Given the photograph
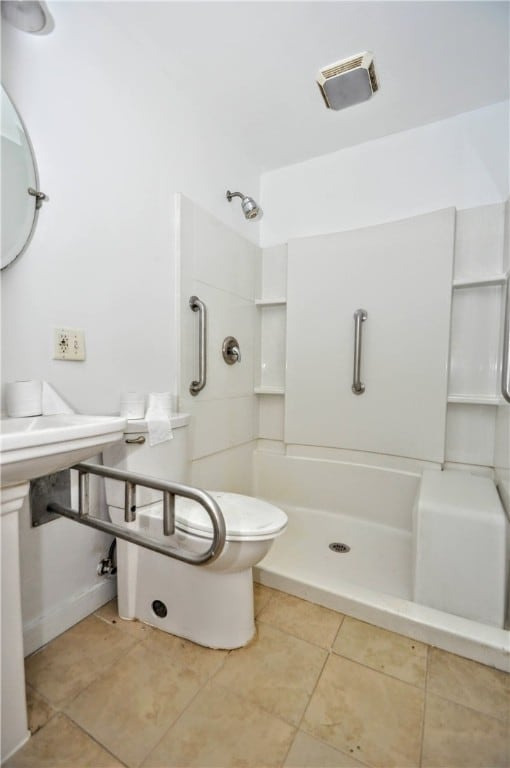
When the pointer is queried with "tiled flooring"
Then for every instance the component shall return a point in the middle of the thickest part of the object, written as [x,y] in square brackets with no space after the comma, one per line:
[315,689]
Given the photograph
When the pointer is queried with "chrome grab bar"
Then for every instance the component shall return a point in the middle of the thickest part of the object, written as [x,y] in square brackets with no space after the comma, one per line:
[505,366]
[170,490]
[199,306]
[357,385]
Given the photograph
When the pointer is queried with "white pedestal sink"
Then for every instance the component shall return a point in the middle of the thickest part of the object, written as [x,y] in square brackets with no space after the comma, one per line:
[30,448]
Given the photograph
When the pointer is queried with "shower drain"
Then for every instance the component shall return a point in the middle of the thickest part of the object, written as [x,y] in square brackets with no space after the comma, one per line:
[336,546]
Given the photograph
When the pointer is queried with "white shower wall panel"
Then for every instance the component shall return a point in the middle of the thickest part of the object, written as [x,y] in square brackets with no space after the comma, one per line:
[274,271]
[475,348]
[220,424]
[400,273]
[223,270]
[221,257]
[502,441]
[502,455]
[271,417]
[475,334]
[479,235]
[272,347]
[230,470]
[273,321]
[228,314]
[470,434]
[377,494]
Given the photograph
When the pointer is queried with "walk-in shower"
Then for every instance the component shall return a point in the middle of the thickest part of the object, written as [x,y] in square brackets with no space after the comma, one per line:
[393,512]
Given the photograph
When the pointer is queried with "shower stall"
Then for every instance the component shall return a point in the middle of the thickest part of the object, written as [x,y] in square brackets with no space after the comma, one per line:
[368,405]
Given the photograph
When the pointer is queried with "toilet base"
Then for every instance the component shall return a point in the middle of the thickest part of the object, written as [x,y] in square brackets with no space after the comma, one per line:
[213,609]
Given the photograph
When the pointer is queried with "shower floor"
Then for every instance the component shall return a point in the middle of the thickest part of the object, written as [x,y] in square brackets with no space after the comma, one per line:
[379,558]
[372,582]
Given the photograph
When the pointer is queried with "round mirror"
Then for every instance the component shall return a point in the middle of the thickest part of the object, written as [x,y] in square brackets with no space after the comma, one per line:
[21,198]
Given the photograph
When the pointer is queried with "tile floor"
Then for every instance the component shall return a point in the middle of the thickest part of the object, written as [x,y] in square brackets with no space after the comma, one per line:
[315,689]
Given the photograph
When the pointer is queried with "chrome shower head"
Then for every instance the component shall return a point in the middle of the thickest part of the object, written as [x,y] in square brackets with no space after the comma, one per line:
[250,208]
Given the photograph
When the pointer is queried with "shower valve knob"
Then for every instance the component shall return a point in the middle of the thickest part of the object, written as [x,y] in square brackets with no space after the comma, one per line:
[231,350]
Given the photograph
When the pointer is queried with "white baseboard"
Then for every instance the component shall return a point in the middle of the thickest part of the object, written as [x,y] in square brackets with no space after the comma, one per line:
[46,628]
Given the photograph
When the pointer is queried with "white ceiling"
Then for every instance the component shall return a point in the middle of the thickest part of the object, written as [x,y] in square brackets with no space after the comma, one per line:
[252,65]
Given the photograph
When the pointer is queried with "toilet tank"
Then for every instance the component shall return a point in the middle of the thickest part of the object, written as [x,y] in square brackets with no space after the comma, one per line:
[166,461]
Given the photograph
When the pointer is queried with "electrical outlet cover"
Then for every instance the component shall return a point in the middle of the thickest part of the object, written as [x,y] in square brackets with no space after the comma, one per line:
[69,344]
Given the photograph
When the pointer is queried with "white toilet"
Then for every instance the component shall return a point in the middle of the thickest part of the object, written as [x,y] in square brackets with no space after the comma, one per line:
[210,604]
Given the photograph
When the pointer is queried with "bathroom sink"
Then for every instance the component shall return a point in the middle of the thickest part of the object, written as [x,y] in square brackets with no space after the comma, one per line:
[39,445]
[29,448]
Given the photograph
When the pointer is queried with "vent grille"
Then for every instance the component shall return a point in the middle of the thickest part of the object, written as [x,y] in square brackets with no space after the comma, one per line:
[373,78]
[342,66]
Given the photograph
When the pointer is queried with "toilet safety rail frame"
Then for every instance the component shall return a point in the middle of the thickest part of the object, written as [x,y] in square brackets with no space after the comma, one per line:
[169,489]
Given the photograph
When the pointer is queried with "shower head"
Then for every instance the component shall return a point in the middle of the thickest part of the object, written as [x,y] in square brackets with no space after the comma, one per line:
[250,208]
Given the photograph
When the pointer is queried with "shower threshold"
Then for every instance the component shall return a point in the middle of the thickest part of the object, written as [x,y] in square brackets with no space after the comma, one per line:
[372,582]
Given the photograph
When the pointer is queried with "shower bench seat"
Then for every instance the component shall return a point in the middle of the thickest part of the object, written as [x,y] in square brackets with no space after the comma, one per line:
[461,546]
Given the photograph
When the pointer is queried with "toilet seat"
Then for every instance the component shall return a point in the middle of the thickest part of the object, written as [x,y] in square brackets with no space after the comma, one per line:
[246,518]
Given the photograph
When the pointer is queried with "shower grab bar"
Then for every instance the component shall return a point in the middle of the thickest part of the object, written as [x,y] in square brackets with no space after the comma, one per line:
[169,489]
[505,366]
[198,306]
[357,385]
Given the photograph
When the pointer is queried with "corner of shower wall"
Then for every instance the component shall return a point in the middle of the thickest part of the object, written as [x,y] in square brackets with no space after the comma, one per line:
[270,373]
[223,270]
[475,405]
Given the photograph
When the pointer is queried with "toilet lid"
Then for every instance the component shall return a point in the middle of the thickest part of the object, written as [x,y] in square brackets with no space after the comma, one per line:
[245,517]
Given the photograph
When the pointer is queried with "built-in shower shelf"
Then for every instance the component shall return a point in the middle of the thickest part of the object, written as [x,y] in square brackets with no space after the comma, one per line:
[270,302]
[269,390]
[475,282]
[476,399]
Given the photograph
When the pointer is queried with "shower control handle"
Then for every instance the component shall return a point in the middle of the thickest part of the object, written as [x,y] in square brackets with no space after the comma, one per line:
[231,350]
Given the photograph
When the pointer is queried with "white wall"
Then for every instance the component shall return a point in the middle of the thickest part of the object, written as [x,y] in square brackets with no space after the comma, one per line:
[114,139]
[460,162]
[59,581]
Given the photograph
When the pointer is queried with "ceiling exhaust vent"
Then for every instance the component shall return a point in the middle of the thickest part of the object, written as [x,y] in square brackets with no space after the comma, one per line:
[349,81]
